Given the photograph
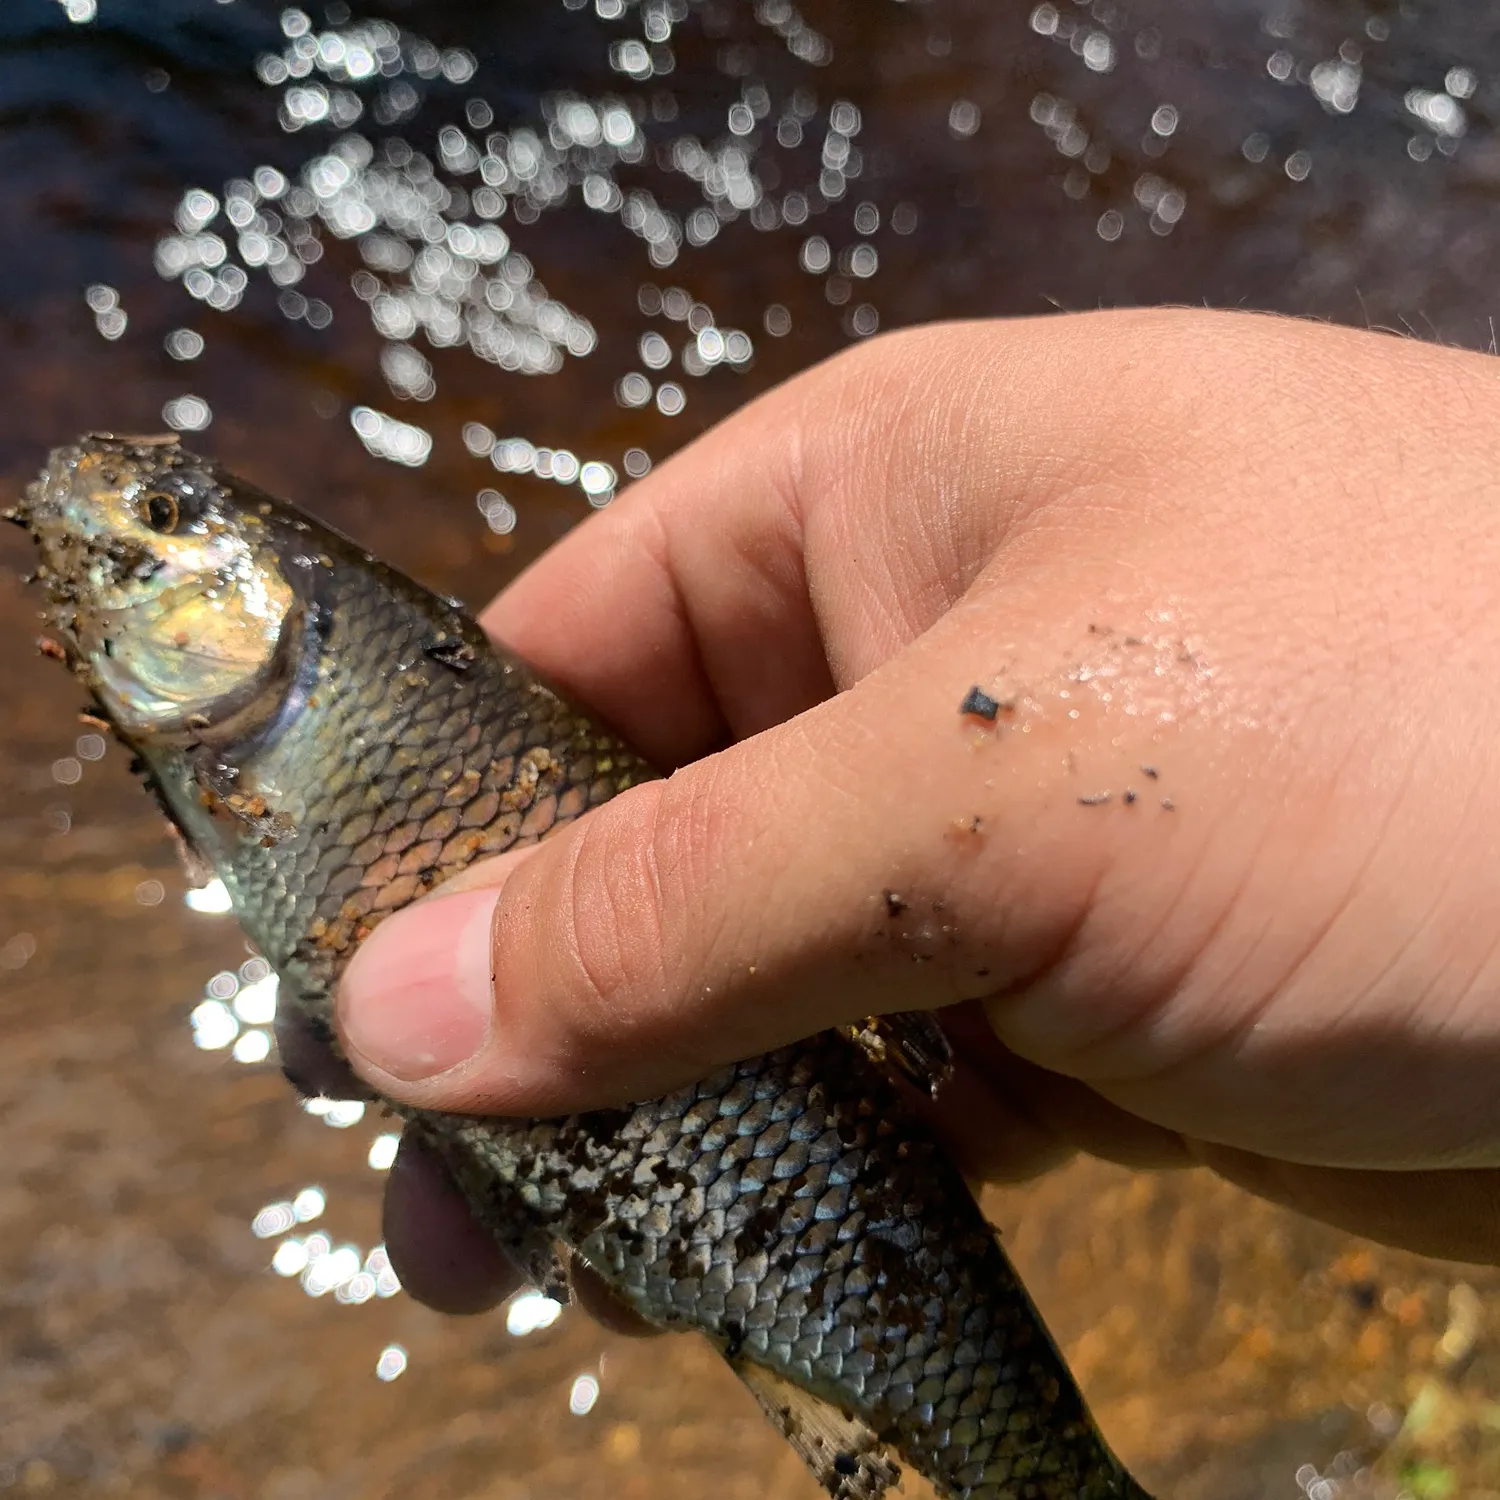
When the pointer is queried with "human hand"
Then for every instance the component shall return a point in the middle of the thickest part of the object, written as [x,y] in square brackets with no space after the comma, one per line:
[1217,884]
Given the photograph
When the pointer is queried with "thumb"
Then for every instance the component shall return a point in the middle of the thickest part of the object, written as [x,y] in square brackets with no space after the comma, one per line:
[882,851]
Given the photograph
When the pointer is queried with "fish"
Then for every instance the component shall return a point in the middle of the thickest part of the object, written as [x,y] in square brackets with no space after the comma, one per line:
[333,740]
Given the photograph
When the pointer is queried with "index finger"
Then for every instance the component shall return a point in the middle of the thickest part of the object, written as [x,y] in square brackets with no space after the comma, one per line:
[810,536]
[618,614]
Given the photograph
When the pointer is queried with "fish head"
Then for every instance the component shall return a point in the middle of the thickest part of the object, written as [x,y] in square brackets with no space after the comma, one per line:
[165,585]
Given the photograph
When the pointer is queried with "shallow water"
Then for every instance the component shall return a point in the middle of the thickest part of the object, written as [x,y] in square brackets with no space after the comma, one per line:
[539,252]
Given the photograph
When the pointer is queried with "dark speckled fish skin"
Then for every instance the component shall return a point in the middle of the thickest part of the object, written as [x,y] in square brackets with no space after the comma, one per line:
[789,1207]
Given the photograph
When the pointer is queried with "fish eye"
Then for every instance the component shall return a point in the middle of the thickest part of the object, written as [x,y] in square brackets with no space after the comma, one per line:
[159,511]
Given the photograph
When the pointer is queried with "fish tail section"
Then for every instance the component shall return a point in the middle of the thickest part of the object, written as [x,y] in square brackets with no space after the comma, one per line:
[845,1455]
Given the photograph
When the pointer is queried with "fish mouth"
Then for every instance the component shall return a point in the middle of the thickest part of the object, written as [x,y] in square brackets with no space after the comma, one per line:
[39,505]
[43,511]
[38,513]
[25,510]
[63,462]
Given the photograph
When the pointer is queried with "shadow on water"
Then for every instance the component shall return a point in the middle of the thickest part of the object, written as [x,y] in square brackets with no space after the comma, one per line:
[453,281]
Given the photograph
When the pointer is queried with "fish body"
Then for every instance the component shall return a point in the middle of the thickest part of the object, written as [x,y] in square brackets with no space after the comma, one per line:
[334,741]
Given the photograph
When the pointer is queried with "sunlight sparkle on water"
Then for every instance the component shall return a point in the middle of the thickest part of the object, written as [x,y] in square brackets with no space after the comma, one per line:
[392,1362]
[529,1312]
[425,214]
[184,344]
[339,1113]
[320,1268]
[358,1289]
[109,317]
[309,1204]
[330,1270]
[391,439]
[378,1265]
[273,1219]
[213,898]
[255,1004]
[252,1047]
[497,511]
[290,1258]
[383,1151]
[214,1025]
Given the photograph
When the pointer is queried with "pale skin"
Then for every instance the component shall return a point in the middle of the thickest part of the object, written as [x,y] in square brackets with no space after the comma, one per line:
[1219,884]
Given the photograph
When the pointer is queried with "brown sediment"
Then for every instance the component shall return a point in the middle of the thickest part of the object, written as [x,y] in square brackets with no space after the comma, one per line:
[146,1350]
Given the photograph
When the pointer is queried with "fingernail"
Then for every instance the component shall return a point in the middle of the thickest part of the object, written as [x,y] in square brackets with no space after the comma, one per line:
[417,999]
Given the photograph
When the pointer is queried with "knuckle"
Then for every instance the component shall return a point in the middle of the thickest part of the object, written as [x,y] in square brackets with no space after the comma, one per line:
[610,917]
[634,922]
[689,838]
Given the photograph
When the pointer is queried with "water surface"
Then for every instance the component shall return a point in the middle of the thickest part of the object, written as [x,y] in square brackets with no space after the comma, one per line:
[451,278]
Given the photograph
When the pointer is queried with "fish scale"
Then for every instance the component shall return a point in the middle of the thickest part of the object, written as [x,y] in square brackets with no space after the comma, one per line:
[791,1207]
